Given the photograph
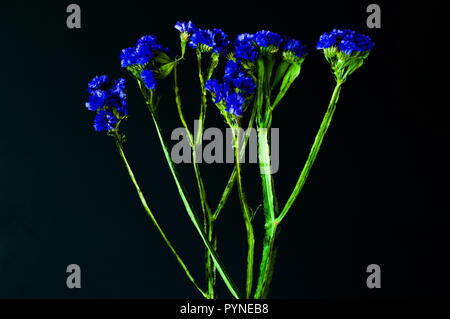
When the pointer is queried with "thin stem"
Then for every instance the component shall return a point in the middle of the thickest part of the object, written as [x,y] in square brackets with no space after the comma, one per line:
[314,150]
[245,209]
[232,178]
[150,214]
[183,194]
[178,102]
[207,214]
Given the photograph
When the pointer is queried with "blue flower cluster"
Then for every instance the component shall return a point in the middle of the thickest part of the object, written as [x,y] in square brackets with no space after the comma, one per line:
[346,40]
[248,46]
[185,27]
[234,90]
[206,40]
[142,57]
[145,50]
[107,98]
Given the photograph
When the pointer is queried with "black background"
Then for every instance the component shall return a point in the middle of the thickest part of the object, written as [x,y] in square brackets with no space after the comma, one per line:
[377,193]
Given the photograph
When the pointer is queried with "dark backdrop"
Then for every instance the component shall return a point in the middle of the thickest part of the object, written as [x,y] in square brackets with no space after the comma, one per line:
[377,193]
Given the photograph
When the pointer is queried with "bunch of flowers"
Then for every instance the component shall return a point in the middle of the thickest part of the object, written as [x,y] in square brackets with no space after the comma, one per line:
[259,69]
[109,100]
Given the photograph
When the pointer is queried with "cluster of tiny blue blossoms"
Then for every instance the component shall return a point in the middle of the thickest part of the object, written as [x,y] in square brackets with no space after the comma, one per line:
[249,46]
[109,100]
[236,87]
[144,59]
[347,41]
[206,40]
[186,29]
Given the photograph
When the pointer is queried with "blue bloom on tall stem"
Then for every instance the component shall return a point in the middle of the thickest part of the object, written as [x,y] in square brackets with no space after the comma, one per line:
[109,100]
[209,40]
[203,39]
[296,47]
[105,121]
[346,40]
[268,40]
[185,27]
[145,51]
[345,50]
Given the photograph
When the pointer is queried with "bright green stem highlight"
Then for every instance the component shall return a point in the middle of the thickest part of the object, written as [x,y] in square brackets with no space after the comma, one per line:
[232,178]
[314,150]
[268,261]
[218,263]
[246,212]
[152,217]
[207,214]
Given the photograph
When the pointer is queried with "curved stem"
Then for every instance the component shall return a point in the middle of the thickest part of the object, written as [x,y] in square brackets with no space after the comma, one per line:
[152,217]
[232,178]
[183,194]
[246,212]
[314,150]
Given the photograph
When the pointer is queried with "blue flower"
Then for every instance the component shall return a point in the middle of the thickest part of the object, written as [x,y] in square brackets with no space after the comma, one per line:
[244,48]
[295,46]
[219,91]
[245,85]
[233,70]
[203,39]
[212,85]
[105,121]
[144,52]
[185,27]
[265,38]
[209,40]
[221,39]
[98,83]
[128,57]
[97,100]
[346,40]
[234,103]
[148,77]
[109,100]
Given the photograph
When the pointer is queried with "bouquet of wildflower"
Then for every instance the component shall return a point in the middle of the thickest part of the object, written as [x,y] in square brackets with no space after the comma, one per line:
[259,70]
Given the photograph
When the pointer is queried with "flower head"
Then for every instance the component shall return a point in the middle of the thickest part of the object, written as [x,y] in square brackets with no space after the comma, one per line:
[268,41]
[294,50]
[144,52]
[105,121]
[148,77]
[221,39]
[244,48]
[203,39]
[346,40]
[234,103]
[185,27]
[236,87]
[345,50]
[233,70]
[245,85]
[109,100]
[206,40]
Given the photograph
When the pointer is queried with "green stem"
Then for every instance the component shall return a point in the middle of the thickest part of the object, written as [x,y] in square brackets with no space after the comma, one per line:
[246,211]
[232,178]
[150,214]
[270,246]
[314,150]
[207,214]
[183,194]
[178,102]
